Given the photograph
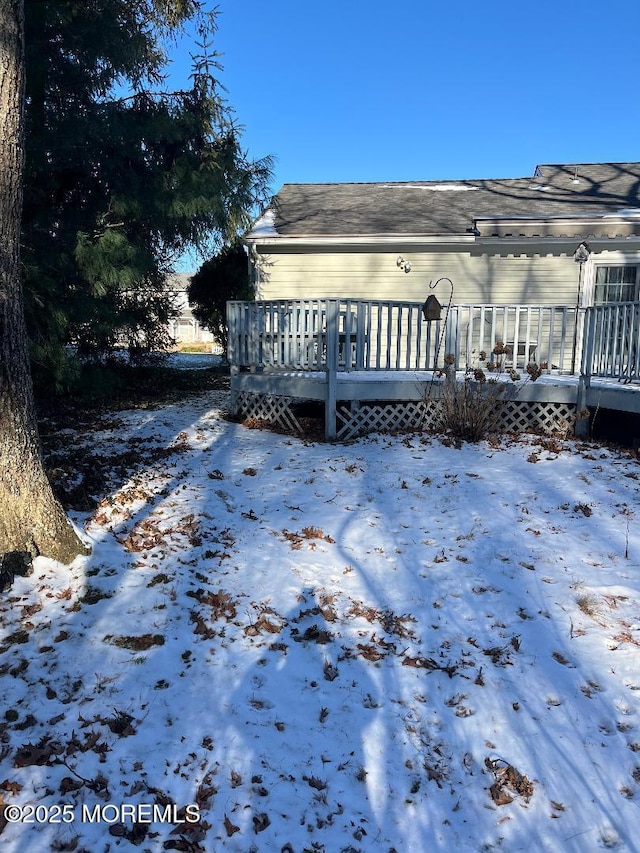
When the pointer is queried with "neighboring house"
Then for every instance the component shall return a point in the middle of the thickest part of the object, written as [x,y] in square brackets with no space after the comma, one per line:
[185,329]
[507,241]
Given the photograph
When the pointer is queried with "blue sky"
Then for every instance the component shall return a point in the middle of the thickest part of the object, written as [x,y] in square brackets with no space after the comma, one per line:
[414,90]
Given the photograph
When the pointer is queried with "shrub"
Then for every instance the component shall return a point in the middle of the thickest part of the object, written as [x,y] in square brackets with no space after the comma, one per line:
[470,408]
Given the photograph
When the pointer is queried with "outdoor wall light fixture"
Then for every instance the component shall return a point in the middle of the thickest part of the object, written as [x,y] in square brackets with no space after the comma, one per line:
[581,254]
[405,266]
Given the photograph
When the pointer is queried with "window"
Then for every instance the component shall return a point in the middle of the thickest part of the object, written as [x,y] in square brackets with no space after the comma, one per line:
[616,284]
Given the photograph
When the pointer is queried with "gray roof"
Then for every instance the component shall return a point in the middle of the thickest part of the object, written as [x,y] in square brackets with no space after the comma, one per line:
[178,281]
[447,208]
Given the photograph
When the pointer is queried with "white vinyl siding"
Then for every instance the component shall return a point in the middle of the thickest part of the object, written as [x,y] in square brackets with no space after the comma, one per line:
[541,280]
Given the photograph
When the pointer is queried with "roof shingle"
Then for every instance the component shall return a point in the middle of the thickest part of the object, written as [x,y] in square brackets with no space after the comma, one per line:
[447,208]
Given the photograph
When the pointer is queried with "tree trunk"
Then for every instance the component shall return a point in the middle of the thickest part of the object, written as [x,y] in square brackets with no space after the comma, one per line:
[31,519]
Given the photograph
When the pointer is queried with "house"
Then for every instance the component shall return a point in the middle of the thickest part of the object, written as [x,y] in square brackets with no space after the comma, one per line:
[506,241]
[543,269]
[184,328]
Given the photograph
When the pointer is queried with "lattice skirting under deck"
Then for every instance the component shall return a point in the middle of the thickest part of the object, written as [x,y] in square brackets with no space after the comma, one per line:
[272,409]
[516,416]
[386,417]
[550,418]
[356,420]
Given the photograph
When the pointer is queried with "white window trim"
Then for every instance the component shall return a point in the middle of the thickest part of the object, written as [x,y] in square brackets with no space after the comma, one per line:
[603,259]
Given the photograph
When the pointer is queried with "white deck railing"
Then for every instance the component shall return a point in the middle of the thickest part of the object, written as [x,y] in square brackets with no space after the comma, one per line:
[612,341]
[335,334]
[532,333]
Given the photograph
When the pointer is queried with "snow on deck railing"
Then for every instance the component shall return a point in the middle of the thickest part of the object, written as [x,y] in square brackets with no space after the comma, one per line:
[345,334]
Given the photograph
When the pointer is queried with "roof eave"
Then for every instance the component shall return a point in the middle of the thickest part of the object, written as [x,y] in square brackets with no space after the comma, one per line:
[357,240]
[605,227]
[597,243]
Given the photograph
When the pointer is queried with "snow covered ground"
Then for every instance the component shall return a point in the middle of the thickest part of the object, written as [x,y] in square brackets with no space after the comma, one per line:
[388,645]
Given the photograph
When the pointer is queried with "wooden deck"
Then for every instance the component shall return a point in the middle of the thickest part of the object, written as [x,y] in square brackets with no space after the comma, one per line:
[374,365]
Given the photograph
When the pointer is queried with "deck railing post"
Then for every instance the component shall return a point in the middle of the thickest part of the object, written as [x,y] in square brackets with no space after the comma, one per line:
[452,321]
[634,353]
[362,318]
[586,368]
[252,331]
[233,352]
[232,315]
[333,345]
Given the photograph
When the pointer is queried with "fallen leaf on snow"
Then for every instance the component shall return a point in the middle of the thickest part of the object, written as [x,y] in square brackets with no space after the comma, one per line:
[230,827]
